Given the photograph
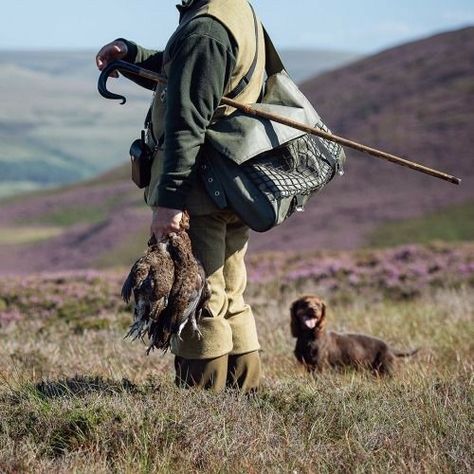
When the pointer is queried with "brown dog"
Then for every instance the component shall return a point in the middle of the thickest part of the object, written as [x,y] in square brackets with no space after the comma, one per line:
[317,348]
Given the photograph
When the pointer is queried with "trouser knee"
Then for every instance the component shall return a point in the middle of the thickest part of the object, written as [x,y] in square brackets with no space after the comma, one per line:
[209,374]
[244,371]
[241,372]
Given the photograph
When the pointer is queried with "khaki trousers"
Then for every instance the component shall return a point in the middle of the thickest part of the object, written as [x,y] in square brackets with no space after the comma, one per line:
[220,242]
[241,372]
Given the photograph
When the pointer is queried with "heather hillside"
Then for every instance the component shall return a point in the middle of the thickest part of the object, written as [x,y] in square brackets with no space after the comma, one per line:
[416,100]
[76,397]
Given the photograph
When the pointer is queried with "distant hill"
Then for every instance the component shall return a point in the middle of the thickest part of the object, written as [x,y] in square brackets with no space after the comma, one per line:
[307,63]
[416,100]
[55,129]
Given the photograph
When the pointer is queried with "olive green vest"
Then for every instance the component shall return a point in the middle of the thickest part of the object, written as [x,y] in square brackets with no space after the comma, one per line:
[237,17]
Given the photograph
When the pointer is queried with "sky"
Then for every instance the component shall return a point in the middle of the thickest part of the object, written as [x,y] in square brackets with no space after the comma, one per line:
[364,26]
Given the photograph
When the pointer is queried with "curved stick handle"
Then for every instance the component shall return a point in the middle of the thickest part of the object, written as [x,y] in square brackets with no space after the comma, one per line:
[120,65]
[102,83]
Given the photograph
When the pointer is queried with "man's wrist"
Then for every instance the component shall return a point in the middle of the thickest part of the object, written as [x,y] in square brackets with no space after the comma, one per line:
[170,200]
[131,48]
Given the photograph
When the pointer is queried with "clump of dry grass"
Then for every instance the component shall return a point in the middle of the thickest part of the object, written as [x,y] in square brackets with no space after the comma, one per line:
[85,400]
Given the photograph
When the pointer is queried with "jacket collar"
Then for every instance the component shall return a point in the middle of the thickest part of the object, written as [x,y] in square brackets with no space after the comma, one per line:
[185,4]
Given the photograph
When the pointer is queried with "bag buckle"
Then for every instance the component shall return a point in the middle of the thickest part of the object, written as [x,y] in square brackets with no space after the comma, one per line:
[299,203]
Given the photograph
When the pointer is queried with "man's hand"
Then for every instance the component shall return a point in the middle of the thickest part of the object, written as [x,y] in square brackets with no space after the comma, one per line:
[164,221]
[111,52]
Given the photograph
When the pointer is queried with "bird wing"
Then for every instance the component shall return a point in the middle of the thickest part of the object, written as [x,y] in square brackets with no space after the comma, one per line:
[192,304]
[128,286]
[137,275]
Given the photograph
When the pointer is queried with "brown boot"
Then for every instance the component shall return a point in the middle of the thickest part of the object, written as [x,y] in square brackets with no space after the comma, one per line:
[210,374]
[244,372]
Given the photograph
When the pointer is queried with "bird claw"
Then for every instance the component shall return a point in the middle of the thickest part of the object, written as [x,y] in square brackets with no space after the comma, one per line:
[180,329]
[196,328]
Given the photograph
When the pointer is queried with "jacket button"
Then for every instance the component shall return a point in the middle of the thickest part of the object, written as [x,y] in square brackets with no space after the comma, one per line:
[217,193]
[203,167]
[210,180]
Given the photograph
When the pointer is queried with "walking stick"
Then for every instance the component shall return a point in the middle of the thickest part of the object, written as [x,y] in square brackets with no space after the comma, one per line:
[249,110]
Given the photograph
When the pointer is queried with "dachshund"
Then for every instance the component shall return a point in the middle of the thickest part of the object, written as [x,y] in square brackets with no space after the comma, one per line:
[317,348]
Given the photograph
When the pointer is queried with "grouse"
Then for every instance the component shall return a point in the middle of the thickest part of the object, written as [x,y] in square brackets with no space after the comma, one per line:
[169,288]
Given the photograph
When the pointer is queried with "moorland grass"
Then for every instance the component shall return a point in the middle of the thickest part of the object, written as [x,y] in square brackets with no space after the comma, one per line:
[125,253]
[454,224]
[28,234]
[68,216]
[80,399]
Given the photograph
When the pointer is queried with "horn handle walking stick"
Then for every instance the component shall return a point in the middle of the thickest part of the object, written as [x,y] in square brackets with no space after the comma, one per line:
[249,110]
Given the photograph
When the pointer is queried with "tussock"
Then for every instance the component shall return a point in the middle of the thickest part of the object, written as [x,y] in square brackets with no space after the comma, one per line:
[76,397]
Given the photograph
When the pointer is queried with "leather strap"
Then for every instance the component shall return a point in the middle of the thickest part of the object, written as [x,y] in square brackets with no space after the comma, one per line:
[273,62]
[243,83]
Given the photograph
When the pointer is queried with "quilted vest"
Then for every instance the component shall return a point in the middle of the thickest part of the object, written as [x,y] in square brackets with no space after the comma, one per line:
[238,18]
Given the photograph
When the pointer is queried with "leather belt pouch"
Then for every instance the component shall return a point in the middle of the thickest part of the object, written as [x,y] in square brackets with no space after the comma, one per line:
[140,155]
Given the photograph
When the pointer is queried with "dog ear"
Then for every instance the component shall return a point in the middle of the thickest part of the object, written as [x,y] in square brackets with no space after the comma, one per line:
[295,330]
[322,319]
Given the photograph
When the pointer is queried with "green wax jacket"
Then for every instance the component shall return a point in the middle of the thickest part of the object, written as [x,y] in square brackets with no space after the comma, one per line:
[202,61]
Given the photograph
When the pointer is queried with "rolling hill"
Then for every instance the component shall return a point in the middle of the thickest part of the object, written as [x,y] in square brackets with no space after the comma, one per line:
[416,100]
[56,130]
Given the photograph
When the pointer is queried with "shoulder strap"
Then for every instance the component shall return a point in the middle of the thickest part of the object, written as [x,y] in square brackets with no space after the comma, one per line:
[273,62]
[248,77]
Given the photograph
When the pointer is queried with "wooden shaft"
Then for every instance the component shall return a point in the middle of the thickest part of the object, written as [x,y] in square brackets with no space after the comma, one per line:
[342,141]
[249,110]
[147,74]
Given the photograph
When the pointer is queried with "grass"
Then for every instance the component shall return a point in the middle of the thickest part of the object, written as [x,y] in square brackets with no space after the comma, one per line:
[51,224]
[125,253]
[66,217]
[75,397]
[10,188]
[28,234]
[454,224]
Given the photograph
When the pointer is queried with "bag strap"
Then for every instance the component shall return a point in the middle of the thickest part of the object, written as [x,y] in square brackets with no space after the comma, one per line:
[273,62]
[243,83]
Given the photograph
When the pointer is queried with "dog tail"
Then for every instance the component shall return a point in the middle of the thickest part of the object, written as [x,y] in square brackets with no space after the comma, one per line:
[397,353]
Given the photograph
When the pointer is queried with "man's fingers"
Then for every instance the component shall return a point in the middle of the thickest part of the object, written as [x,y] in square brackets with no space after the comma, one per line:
[100,62]
[110,52]
[165,221]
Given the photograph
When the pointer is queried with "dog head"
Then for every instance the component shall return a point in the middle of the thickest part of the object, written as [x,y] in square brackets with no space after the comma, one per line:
[308,314]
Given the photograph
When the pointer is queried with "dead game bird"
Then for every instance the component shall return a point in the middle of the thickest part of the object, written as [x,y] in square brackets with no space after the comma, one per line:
[169,288]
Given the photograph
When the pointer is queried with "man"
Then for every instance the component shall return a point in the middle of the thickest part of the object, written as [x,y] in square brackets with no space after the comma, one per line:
[214,52]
